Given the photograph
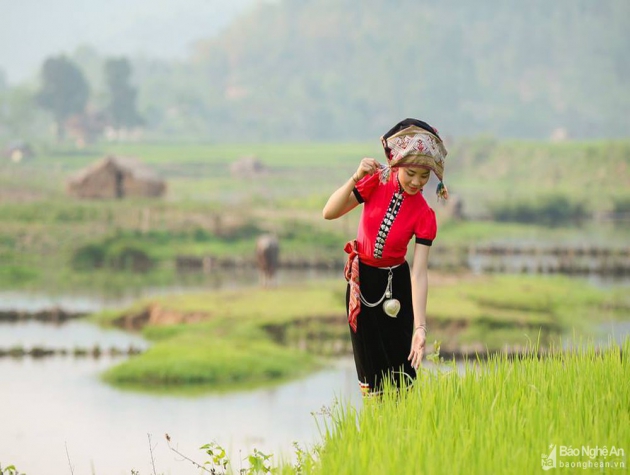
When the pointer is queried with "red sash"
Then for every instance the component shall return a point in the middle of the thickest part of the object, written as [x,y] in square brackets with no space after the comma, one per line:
[351,272]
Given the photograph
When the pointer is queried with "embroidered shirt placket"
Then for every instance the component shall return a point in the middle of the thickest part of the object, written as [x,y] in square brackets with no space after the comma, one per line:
[386,224]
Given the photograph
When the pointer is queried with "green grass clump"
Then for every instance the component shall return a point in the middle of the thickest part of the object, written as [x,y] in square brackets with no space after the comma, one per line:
[211,363]
[229,346]
[235,338]
[495,311]
[499,417]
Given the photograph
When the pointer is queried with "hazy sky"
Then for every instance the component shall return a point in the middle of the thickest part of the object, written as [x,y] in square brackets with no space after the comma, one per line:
[31,30]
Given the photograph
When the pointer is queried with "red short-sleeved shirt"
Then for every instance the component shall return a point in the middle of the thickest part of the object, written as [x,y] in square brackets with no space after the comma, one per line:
[390,218]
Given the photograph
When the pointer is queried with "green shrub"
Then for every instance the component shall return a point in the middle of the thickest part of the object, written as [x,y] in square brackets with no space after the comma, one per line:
[88,257]
[17,274]
[114,254]
[622,205]
[552,210]
[128,257]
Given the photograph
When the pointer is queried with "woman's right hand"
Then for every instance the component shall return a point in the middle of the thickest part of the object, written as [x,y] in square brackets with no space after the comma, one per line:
[368,166]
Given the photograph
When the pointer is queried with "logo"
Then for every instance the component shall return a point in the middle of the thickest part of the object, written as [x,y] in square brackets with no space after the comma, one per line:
[584,457]
[549,461]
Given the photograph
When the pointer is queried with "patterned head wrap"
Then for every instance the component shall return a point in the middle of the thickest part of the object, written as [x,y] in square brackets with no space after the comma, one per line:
[414,143]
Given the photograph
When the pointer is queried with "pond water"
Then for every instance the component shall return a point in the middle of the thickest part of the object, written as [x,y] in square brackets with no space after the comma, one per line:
[57,407]
[69,335]
[94,301]
[588,268]
[50,405]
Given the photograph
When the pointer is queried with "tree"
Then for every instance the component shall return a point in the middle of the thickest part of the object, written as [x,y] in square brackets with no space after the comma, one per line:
[19,115]
[3,80]
[122,105]
[64,92]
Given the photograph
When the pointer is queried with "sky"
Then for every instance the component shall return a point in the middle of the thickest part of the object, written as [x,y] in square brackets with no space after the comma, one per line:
[32,30]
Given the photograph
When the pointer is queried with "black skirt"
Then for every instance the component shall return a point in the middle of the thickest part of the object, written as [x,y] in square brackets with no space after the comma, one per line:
[381,344]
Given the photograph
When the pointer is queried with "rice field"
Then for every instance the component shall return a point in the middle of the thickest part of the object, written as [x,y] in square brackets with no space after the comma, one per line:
[569,411]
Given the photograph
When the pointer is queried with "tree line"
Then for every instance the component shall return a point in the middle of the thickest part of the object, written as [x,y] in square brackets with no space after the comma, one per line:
[65,94]
[329,70]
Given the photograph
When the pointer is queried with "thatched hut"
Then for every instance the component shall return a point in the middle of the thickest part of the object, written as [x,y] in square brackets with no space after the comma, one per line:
[116,177]
[249,167]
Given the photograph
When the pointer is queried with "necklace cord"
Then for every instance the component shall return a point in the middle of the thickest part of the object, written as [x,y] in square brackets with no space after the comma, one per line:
[387,294]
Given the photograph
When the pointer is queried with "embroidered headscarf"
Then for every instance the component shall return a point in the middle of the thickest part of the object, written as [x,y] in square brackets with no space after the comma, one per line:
[414,143]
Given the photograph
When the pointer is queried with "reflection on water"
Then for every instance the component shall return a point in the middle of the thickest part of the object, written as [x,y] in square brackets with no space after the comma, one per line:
[46,405]
[585,267]
[86,302]
[618,332]
[68,335]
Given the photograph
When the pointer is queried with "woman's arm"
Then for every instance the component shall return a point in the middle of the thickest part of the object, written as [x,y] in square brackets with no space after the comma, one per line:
[419,291]
[343,200]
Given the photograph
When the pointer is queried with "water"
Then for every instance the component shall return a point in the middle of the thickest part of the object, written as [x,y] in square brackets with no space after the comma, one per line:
[56,404]
[615,331]
[89,302]
[69,335]
[49,405]
[53,405]
[590,268]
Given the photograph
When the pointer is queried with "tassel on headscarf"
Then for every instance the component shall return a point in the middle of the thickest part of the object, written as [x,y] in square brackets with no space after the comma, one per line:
[385,172]
[442,191]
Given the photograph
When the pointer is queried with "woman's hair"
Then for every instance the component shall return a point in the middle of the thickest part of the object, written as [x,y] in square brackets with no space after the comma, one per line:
[403,124]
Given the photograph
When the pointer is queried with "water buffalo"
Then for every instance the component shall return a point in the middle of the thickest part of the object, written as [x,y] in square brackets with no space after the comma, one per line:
[267,257]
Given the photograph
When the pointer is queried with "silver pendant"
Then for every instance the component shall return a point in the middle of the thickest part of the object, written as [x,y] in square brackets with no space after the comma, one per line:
[391,307]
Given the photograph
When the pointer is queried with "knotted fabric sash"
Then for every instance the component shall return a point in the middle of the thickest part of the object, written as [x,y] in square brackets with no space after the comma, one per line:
[351,272]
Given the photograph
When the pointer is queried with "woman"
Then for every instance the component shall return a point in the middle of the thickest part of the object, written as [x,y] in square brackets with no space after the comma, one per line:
[385,300]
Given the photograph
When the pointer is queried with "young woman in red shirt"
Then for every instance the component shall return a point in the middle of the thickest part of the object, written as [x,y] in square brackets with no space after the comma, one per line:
[386,299]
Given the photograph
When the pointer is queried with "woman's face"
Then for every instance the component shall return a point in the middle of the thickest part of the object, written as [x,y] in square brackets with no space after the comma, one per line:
[413,179]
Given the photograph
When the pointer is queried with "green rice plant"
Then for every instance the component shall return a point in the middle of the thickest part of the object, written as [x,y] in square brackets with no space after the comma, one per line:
[219,463]
[10,470]
[502,416]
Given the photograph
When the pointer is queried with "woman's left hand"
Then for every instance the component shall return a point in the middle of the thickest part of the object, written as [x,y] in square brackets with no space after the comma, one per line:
[417,347]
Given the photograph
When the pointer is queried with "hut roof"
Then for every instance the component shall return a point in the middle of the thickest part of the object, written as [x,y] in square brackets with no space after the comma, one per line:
[250,165]
[130,165]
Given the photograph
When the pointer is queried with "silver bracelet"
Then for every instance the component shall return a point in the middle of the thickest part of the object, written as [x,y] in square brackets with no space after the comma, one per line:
[421,326]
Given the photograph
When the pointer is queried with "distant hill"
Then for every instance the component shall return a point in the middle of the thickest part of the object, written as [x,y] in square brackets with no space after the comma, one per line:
[341,69]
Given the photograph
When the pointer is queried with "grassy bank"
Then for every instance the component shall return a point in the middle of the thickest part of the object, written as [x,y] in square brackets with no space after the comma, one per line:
[239,338]
[487,171]
[50,240]
[503,417]
[495,312]
[224,340]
